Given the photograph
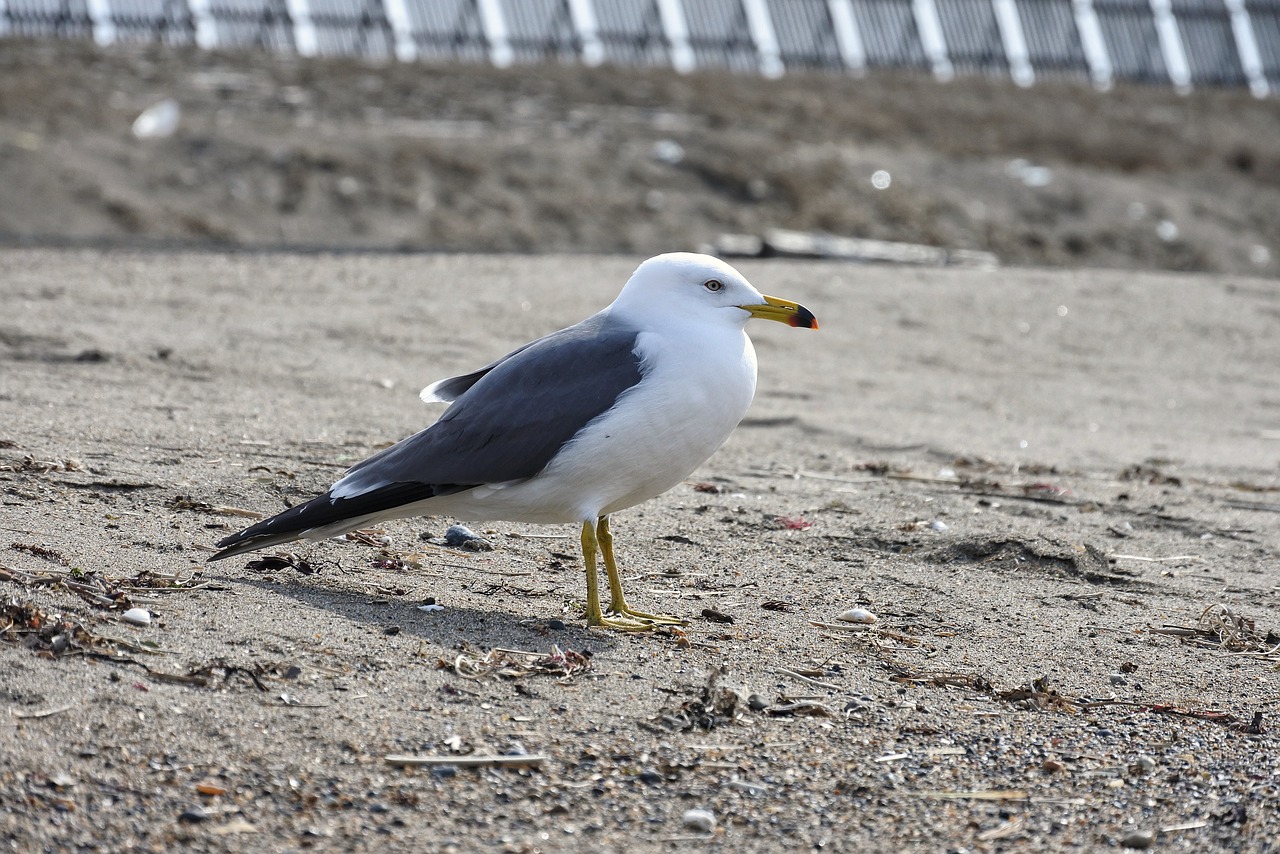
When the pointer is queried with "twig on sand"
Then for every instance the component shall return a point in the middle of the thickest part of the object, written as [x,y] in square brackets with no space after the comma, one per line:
[988,795]
[801,677]
[524,761]
[43,713]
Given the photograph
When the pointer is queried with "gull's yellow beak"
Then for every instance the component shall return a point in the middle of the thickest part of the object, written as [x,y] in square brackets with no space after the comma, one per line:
[783,311]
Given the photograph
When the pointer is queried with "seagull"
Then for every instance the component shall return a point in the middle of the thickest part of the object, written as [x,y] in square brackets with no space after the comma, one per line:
[571,428]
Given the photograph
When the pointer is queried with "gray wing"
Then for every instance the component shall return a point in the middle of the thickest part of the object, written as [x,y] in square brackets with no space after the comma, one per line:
[450,389]
[505,426]
[510,421]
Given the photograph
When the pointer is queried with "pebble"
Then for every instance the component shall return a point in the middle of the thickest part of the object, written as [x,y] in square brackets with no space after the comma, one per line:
[668,151]
[1118,679]
[650,777]
[700,820]
[193,815]
[556,625]
[1138,839]
[858,615]
[462,537]
[444,771]
[938,525]
[1143,765]
[137,616]
[756,703]
[158,121]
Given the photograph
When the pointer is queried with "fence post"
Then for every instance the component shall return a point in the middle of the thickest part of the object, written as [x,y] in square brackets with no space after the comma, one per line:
[676,29]
[1093,44]
[104,28]
[848,37]
[766,40]
[206,27]
[305,41]
[402,29]
[495,32]
[1247,47]
[588,30]
[932,38]
[1015,41]
[1175,56]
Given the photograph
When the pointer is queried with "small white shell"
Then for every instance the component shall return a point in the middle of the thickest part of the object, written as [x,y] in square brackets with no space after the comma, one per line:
[703,821]
[137,616]
[858,615]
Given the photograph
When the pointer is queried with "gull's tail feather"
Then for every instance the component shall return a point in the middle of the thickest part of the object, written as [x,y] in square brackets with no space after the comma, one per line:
[327,516]
[252,544]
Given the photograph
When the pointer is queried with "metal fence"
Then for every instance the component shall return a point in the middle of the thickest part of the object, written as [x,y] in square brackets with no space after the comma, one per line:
[1185,43]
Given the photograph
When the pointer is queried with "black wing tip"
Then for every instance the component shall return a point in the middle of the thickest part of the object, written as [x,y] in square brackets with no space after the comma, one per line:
[324,511]
[238,545]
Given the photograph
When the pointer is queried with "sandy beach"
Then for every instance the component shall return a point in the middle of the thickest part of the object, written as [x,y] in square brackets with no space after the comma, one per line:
[1057,492]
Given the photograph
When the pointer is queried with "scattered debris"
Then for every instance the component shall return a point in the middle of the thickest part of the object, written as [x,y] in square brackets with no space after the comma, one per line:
[30,463]
[790,523]
[49,635]
[1219,627]
[1040,553]
[810,708]
[715,616]
[778,605]
[281,560]
[517,663]
[99,591]
[1038,694]
[41,552]
[186,502]
[395,562]
[714,706]
[1149,474]
[375,537]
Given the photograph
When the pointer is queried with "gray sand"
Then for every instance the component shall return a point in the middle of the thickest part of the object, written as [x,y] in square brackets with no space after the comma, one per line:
[1023,474]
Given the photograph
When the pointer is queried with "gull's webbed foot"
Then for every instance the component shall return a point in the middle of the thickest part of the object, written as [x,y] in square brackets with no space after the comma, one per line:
[620,616]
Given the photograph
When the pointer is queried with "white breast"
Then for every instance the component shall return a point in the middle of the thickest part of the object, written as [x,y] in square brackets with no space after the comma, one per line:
[694,391]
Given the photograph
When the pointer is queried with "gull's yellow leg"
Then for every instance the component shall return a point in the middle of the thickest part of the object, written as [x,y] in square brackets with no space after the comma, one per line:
[617,603]
[590,546]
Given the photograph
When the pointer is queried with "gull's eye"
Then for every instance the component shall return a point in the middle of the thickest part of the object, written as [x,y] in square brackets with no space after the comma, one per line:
[713,285]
